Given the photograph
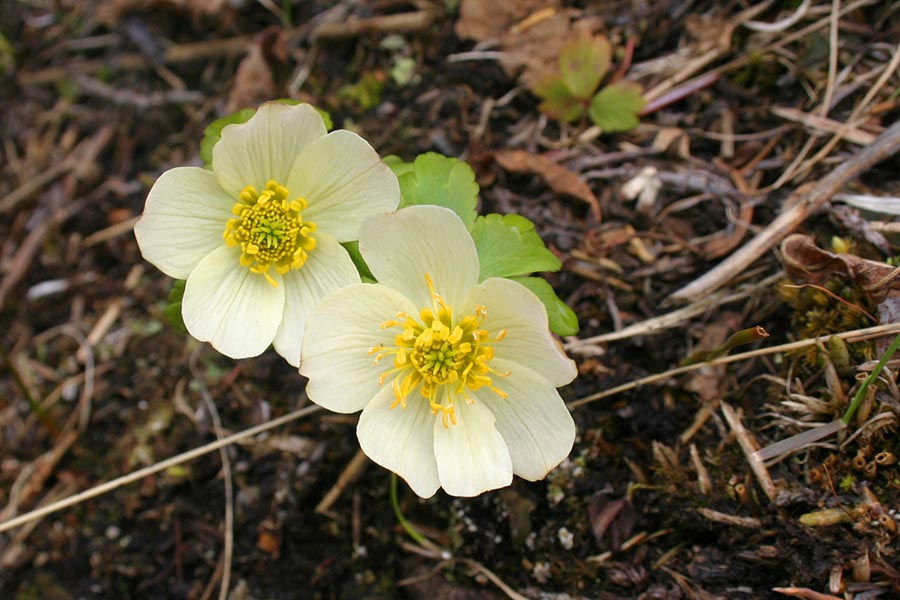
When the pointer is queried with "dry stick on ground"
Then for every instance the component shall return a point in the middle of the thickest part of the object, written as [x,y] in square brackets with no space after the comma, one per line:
[184,457]
[228,545]
[851,336]
[350,473]
[855,119]
[660,323]
[749,446]
[747,57]
[796,211]
[408,22]
[179,53]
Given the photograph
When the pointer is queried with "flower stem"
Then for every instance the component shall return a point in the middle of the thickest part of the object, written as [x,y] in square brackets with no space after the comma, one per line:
[409,527]
[861,392]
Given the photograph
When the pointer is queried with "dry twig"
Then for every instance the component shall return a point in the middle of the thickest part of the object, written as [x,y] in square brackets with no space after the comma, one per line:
[855,335]
[797,210]
[749,446]
[184,457]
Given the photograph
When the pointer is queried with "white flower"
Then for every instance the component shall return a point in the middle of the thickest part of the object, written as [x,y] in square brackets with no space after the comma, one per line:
[258,237]
[456,380]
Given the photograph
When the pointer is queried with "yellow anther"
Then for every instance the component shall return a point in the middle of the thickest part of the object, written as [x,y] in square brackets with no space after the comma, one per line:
[270,230]
[439,358]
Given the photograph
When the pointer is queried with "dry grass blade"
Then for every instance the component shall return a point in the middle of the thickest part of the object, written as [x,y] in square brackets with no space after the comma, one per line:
[228,534]
[749,446]
[661,323]
[726,519]
[805,593]
[782,25]
[822,124]
[184,457]
[350,473]
[854,335]
[493,578]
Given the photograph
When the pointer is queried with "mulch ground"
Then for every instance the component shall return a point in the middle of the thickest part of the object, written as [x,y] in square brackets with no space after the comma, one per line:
[759,116]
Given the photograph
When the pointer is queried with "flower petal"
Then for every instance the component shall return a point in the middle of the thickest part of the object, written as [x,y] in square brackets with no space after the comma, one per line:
[340,332]
[237,311]
[327,268]
[534,421]
[344,181]
[401,248]
[265,146]
[183,220]
[472,456]
[514,308]
[400,439]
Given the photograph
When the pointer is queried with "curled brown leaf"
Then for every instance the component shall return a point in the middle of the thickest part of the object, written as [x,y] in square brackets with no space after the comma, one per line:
[560,179]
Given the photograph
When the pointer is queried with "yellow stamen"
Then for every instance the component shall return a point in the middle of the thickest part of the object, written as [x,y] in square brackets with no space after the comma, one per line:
[441,359]
[270,230]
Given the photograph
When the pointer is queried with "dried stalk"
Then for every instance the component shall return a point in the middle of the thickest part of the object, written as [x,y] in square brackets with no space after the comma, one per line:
[799,208]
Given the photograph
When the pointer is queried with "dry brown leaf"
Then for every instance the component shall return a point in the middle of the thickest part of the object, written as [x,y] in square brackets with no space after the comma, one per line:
[530,32]
[532,53]
[480,21]
[112,10]
[616,517]
[727,240]
[558,177]
[255,80]
[804,261]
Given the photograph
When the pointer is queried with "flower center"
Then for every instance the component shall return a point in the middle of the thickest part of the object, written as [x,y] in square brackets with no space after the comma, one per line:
[270,230]
[442,358]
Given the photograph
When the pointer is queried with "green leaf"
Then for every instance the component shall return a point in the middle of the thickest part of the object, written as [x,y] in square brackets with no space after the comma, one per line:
[172,311]
[583,62]
[441,181]
[329,124]
[559,103]
[563,320]
[213,133]
[616,107]
[352,249]
[508,245]
[365,93]
[398,165]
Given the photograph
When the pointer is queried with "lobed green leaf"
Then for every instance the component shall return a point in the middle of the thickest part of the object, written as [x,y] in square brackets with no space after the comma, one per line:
[559,102]
[172,311]
[563,320]
[583,62]
[508,245]
[442,181]
[616,107]
[398,165]
[213,132]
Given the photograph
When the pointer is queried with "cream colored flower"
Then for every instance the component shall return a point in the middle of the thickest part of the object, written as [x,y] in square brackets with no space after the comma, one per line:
[456,380]
[258,236]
